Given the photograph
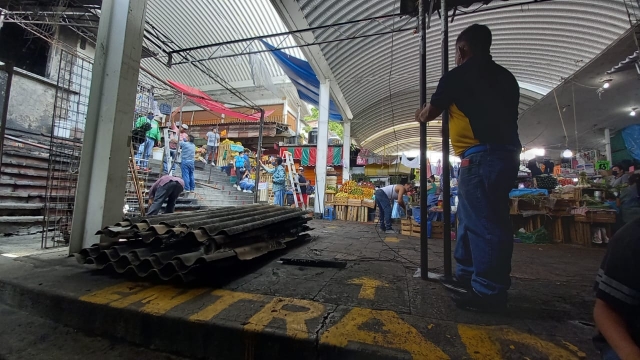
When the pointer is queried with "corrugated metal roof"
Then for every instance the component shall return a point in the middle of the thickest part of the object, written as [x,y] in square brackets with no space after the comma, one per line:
[201,22]
[179,245]
[540,43]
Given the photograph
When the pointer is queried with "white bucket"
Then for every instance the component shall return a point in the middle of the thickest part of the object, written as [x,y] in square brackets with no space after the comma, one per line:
[158,153]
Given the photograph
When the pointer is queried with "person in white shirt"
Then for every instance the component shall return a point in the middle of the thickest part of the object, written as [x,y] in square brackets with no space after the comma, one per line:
[213,141]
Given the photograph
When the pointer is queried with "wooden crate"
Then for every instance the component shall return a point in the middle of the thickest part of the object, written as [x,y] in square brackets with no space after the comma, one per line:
[602,217]
[329,198]
[363,214]
[580,233]
[369,203]
[406,232]
[352,213]
[354,202]
[340,201]
[518,205]
[405,224]
[341,212]
[556,229]
[576,194]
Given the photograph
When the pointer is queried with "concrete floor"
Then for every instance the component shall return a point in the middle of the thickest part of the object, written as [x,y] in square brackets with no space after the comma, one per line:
[26,245]
[25,336]
[373,308]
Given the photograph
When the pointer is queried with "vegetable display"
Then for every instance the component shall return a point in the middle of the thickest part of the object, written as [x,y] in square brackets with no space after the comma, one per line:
[352,190]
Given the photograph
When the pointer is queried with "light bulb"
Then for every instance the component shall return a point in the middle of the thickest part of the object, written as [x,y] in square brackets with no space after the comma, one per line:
[606,85]
[567,153]
[632,113]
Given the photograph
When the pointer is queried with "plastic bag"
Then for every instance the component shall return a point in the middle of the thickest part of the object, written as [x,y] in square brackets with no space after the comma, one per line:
[397,212]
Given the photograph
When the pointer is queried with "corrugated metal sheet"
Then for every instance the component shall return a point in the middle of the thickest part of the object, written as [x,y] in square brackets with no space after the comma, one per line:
[180,245]
[539,43]
[201,22]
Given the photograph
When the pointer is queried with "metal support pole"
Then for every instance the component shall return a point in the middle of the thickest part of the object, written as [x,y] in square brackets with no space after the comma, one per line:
[107,139]
[8,68]
[346,150]
[446,171]
[607,142]
[424,246]
[258,157]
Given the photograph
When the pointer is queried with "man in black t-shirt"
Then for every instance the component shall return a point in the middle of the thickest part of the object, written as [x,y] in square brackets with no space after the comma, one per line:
[617,287]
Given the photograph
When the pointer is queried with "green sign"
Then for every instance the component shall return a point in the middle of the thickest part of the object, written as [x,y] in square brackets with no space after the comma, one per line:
[603,165]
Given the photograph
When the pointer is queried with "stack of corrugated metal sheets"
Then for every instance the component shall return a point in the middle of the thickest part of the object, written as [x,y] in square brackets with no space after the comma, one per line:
[181,244]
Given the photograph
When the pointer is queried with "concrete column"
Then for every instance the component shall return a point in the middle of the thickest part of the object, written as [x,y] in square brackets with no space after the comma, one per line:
[346,150]
[607,142]
[323,143]
[105,154]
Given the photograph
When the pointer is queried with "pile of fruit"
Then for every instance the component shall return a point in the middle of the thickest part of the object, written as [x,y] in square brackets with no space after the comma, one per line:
[353,191]
[332,188]
[565,181]
[342,195]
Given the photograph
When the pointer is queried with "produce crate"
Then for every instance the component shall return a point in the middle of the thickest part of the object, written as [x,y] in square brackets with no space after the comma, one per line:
[369,203]
[519,205]
[363,214]
[405,224]
[437,230]
[603,217]
[576,194]
[352,213]
[340,201]
[354,202]
[415,230]
[406,232]
[341,212]
[329,198]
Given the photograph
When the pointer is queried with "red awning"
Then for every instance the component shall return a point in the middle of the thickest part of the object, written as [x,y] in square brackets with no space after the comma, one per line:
[201,98]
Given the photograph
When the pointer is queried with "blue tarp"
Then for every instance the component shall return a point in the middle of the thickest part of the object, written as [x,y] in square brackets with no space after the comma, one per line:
[631,136]
[519,192]
[304,79]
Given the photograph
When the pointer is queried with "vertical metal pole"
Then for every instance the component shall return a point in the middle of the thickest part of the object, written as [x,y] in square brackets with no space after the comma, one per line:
[258,157]
[607,143]
[446,173]
[424,249]
[8,67]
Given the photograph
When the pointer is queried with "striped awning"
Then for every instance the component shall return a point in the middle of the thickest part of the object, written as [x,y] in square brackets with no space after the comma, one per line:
[308,155]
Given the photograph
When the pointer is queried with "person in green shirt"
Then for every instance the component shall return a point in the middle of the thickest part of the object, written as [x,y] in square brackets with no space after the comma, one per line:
[152,136]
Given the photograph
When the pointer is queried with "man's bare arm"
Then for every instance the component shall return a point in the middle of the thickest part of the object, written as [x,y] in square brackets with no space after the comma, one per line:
[614,329]
[428,113]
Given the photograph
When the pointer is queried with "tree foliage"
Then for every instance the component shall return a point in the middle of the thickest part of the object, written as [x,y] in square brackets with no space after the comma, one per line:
[334,126]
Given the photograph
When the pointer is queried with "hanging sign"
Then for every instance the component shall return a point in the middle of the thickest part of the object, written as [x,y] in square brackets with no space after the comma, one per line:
[262,186]
[361,160]
[603,165]
[165,109]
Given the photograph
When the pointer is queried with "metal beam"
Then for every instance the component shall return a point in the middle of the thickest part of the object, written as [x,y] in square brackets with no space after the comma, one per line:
[293,18]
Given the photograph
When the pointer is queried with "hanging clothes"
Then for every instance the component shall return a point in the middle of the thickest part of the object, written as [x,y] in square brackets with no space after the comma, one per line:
[439,168]
[429,171]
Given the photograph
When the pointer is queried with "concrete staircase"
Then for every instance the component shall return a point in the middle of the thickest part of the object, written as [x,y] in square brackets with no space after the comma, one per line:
[213,187]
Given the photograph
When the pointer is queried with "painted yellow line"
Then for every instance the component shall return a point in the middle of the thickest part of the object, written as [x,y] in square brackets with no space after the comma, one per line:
[226,298]
[480,342]
[397,334]
[295,320]
[369,286]
[391,239]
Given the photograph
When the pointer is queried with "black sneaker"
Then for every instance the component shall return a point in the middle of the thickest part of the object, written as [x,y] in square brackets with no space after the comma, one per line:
[457,285]
[471,300]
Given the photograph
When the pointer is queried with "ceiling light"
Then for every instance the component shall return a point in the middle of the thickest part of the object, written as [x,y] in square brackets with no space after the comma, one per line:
[567,153]
[633,111]
[606,85]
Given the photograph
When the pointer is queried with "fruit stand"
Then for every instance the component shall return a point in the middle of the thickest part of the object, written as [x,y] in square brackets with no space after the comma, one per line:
[352,201]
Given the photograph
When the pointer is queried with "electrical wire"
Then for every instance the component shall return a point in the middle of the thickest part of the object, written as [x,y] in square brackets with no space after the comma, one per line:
[561,120]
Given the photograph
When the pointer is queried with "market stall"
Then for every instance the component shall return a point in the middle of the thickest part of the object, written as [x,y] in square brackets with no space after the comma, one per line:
[559,209]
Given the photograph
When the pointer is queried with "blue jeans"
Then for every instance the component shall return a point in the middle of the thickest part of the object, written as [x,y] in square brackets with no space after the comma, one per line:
[165,163]
[384,204]
[144,151]
[485,237]
[278,197]
[609,354]
[187,168]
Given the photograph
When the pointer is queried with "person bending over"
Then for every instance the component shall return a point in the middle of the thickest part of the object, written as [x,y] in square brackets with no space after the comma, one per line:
[384,200]
[166,188]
